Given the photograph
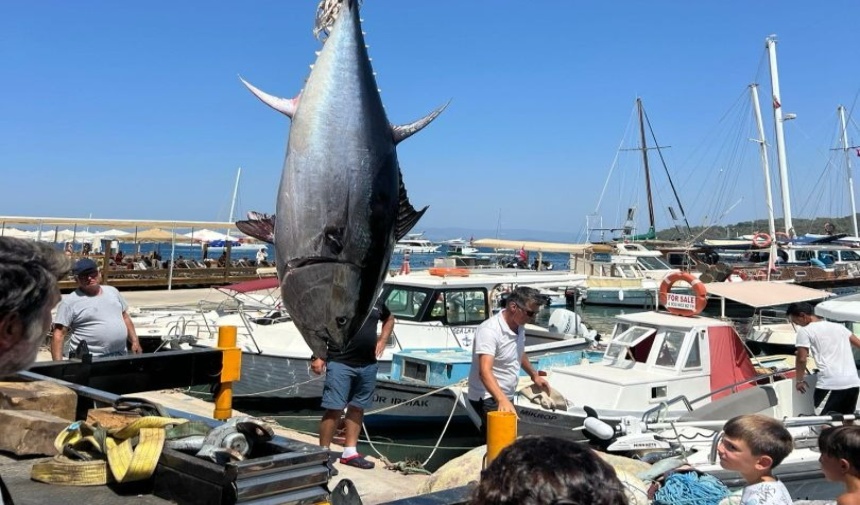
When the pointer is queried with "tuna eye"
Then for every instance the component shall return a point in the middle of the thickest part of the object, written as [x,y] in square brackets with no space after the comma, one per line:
[341,321]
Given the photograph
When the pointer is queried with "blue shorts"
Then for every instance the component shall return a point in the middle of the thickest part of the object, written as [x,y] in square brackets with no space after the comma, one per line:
[348,385]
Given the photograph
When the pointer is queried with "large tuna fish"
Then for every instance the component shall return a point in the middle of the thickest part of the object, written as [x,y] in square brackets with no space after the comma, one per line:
[341,203]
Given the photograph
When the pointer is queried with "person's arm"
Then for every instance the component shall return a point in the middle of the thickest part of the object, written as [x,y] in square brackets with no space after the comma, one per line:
[854,340]
[801,355]
[132,334]
[538,379]
[387,329]
[491,384]
[57,338]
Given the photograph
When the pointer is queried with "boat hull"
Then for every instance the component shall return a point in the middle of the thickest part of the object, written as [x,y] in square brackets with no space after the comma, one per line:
[400,404]
[268,376]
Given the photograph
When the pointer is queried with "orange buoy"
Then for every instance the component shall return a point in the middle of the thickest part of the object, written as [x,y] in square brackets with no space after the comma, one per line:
[761,240]
[740,273]
[449,272]
[683,305]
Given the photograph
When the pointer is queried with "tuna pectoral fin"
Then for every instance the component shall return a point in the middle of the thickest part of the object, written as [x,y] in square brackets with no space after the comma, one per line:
[286,106]
[258,225]
[407,216]
[403,132]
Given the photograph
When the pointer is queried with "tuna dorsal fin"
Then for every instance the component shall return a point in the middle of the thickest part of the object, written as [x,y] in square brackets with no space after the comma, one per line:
[407,216]
[258,225]
[286,106]
[403,132]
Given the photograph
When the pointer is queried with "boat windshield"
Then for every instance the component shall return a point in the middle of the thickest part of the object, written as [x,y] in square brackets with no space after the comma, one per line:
[621,346]
[406,302]
[653,263]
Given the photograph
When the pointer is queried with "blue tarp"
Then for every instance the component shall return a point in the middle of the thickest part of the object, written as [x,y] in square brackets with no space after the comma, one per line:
[223,243]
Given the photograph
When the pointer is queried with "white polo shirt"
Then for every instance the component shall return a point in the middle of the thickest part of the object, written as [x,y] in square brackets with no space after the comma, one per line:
[495,337]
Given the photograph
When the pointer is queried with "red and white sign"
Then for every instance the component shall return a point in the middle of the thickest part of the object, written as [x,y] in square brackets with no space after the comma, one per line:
[676,301]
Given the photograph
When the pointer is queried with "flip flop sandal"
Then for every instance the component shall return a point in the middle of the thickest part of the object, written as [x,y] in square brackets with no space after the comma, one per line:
[358,461]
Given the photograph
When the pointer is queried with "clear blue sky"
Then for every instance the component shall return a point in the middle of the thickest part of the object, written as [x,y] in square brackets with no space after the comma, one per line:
[134,109]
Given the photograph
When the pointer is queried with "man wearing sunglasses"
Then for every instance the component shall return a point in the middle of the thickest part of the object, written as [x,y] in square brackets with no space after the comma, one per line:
[498,352]
[95,315]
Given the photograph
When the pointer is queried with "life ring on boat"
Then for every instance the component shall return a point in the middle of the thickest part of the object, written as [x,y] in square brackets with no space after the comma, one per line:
[761,240]
[667,298]
[740,273]
[449,272]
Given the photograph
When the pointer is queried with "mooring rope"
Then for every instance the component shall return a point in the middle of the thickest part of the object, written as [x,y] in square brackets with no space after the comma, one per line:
[327,13]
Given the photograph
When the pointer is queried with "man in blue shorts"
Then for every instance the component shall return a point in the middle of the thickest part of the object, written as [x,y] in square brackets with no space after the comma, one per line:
[349,383]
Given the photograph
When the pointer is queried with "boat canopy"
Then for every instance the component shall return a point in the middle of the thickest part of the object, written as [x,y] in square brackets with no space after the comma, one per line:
[250,286]
[758,294]
[547,247]
[843,308]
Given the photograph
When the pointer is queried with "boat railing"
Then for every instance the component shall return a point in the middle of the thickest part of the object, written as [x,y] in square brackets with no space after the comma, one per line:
[771,377]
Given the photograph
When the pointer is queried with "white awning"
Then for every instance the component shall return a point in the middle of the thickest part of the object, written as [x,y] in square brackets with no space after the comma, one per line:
[759,294]
[844,308]
[530,245]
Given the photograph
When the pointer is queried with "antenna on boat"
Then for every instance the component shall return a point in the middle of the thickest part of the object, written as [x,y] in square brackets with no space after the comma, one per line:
[233,200]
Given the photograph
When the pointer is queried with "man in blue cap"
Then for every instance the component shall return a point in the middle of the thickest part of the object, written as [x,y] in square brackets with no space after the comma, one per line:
[95,315]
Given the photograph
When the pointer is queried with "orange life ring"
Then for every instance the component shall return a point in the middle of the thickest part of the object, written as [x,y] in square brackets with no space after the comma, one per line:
[761,240]
[449,272]
[740,273]
[700,294]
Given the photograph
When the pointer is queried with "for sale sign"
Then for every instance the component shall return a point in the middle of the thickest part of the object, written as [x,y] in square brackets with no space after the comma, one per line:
[677,301]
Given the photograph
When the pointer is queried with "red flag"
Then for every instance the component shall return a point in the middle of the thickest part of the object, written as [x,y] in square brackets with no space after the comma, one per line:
[776,103]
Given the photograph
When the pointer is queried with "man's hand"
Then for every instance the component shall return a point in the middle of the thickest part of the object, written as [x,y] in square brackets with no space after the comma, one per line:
[506,406]
[801,386]
[318,366]
[541,382]
[135,348]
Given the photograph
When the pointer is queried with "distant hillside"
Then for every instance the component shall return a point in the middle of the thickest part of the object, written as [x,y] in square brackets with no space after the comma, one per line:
[801,227]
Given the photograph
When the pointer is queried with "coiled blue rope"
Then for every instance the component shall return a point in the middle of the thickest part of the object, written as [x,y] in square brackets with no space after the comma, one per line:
[689,488]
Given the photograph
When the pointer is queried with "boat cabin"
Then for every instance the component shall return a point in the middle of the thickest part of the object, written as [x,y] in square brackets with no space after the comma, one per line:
[654,357]
[443,311]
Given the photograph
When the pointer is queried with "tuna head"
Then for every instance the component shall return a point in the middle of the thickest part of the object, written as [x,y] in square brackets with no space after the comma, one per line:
[329,324]
[341,203]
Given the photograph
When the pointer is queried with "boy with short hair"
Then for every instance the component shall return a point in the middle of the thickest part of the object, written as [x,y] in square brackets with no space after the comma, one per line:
[840,460]
[753,445]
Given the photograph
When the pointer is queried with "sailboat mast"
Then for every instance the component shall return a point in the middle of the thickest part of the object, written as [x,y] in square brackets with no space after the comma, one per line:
[233,200]
[848,167]
[782,162]
[765,166]
[644,147]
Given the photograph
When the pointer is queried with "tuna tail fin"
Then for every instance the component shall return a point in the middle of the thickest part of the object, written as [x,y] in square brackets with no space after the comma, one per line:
[286,106]
[403,132]
[258,225]
[407,216]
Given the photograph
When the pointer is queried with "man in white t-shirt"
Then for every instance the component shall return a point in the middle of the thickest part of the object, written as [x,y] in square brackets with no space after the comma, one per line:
[498,352]
[830,345]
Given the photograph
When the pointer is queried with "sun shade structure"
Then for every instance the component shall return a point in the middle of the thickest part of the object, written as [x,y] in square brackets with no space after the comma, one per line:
[760,294]
[152,235]
[547,247]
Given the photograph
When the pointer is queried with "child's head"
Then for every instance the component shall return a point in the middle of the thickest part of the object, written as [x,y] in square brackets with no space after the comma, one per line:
[544,470]
[754,444]
[840,452]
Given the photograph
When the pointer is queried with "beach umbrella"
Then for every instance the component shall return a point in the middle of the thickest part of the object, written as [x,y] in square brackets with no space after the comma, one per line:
[16,233]
[152,235]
